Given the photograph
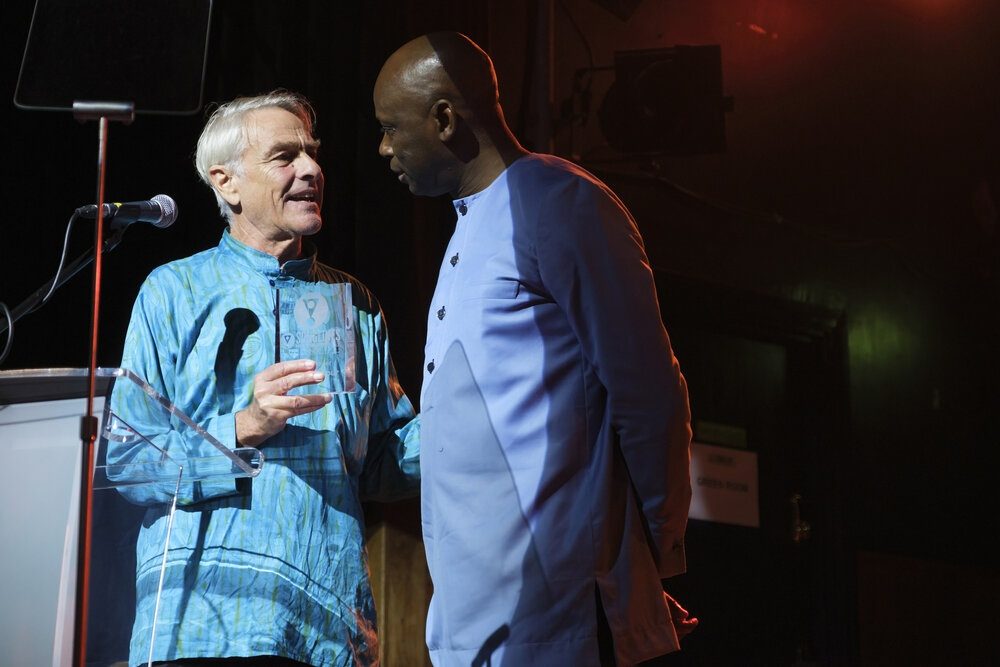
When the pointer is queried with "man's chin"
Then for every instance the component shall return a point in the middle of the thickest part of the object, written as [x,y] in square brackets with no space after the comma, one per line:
[310,226]
[419,191]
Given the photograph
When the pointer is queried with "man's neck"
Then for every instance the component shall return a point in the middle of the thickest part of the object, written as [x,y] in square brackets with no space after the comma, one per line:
[492,161]
[281,249]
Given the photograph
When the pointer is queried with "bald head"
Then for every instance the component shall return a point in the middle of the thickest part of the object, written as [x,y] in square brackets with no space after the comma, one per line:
[446,65]
[442,127]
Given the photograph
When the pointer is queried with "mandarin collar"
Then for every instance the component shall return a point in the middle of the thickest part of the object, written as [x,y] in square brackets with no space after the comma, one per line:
[464,205]
[266,264]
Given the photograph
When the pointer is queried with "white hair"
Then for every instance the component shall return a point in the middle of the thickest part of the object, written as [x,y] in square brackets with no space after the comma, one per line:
[224,137]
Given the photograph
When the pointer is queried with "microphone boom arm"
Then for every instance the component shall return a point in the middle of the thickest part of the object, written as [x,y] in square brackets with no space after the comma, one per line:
[111,242]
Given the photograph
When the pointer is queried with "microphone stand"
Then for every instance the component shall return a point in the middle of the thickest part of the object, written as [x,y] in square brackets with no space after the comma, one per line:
[102,112]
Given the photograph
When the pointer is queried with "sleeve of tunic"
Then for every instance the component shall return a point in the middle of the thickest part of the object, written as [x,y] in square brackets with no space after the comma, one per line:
[155,332]
[592,260]
[392,464]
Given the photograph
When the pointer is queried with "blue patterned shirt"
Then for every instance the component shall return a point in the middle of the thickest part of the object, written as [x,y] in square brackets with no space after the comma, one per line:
[281,569]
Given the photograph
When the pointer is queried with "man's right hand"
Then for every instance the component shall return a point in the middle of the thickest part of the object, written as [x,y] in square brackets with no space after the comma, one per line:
[272,407]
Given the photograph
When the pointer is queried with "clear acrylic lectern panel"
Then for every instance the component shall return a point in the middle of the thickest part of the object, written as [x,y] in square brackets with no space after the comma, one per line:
[151,460]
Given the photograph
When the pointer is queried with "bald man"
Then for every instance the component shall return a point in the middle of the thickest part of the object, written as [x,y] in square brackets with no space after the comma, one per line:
[555,465]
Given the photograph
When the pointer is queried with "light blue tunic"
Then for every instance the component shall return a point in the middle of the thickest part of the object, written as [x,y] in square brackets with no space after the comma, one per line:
[555,430]
[281,570]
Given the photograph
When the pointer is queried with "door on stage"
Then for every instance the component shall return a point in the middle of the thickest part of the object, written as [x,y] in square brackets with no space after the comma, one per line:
[768,574]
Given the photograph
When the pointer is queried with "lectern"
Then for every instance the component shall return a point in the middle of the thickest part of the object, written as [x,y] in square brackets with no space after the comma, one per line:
[39,500]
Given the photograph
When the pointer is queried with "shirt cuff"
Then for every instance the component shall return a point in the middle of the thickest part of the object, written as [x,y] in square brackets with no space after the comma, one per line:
[673,560]
[223,429]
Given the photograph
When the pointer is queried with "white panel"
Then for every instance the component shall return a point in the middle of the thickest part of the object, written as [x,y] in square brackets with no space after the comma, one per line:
[39,503]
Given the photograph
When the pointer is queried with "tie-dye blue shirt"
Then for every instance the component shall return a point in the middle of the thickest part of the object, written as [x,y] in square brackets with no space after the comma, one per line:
[280,569]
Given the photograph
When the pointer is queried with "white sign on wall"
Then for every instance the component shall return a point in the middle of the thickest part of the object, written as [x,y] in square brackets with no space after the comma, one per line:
[724,485]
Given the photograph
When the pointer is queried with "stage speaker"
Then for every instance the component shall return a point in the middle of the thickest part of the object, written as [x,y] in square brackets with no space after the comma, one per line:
[666,101]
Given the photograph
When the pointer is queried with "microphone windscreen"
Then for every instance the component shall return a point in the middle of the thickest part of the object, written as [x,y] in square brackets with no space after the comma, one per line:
[169,208]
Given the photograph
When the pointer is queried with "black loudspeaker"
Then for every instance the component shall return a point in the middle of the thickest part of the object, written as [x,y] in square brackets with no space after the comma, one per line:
[666,102]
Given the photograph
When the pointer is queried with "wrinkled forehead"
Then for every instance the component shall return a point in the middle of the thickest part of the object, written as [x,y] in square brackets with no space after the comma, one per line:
[264,127]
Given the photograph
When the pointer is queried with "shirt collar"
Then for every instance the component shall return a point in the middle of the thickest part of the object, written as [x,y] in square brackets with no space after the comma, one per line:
[268,264]
[464,205]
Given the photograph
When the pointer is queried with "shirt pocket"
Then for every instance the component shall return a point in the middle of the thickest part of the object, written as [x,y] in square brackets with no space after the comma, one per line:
[497,289]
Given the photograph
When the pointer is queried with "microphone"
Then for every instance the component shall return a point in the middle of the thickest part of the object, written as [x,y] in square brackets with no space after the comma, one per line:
[160,211]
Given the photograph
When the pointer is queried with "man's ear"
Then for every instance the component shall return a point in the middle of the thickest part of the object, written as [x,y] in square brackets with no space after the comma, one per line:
[446,119]
[225,184]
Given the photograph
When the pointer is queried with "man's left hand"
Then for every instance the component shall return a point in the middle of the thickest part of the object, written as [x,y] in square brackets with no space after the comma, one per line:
[684,622]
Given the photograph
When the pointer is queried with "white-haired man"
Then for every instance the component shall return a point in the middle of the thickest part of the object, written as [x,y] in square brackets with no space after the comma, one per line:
[237,337]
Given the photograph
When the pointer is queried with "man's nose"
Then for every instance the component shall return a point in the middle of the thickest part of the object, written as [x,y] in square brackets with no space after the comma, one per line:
[309,167]
[385,146]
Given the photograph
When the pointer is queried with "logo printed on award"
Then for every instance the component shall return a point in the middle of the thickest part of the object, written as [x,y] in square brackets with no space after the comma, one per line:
[311,311]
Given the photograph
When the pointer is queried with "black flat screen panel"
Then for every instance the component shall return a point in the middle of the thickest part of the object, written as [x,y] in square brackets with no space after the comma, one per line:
[150,52]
